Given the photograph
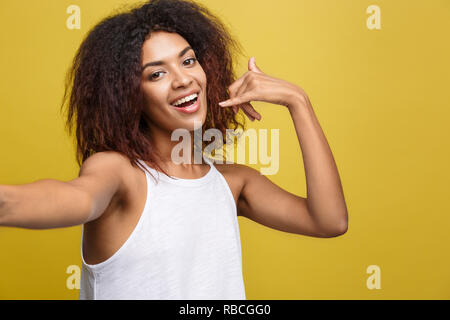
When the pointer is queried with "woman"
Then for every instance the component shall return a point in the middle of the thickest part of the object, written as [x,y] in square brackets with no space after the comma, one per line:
[153,228]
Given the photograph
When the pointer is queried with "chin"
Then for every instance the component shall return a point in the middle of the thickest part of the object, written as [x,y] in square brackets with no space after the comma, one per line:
[198,119]
[196,123]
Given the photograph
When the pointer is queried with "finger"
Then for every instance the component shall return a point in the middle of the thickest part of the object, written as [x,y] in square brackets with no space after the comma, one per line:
[236,91]
[246,97]
[234,87]
[239,92]
[252,66]
[248,114]
[232,94]
[249,108]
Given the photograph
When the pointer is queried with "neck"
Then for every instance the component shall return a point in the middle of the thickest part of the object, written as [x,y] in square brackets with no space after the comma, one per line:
[165,146]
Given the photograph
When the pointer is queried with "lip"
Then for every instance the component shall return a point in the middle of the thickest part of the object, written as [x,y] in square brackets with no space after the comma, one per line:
[184,95]
[190,109]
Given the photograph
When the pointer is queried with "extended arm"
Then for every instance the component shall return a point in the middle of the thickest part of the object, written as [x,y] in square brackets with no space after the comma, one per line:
[49,203]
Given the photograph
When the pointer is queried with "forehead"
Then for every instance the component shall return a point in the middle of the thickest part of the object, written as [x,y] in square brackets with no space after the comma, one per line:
[162,45]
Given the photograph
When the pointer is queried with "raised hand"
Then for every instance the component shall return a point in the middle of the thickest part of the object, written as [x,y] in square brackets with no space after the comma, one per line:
[255,85]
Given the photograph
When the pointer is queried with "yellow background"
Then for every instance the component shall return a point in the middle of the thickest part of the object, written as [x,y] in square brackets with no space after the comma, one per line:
[381,97]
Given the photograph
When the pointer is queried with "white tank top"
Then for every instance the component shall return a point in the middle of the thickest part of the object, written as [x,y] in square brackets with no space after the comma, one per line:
[185,246]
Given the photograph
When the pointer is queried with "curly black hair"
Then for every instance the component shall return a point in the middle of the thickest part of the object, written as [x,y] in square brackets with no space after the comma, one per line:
[102,89]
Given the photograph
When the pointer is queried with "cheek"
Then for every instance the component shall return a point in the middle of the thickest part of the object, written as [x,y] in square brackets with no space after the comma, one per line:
[153,95]
[151,106]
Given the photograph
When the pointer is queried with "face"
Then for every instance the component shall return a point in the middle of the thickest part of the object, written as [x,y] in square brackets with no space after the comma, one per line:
[171,71]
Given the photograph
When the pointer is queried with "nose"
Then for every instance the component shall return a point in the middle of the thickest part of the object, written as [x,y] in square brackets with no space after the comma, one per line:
[181,78]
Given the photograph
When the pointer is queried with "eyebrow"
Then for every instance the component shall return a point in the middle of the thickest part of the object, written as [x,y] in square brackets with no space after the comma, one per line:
[158,63]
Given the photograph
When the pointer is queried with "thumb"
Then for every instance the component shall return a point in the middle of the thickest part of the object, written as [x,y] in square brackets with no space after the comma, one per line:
[252,66]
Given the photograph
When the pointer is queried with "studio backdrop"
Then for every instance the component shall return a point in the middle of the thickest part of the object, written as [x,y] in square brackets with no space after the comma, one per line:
[377,74]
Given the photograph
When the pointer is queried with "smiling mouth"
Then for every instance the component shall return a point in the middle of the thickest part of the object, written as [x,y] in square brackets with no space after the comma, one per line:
[188,107]
[186,104]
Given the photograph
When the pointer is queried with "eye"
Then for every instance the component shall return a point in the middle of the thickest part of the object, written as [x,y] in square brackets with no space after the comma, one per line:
[193,60]
[155,75]
[152,77]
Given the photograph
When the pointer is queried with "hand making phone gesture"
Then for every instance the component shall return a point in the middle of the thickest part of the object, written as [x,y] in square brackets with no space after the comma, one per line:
[255,85]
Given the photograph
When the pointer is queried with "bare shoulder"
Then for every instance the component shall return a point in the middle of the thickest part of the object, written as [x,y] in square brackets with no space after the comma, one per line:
[237,171]
[114,165]
[236,176]
[234,171]
[109,158]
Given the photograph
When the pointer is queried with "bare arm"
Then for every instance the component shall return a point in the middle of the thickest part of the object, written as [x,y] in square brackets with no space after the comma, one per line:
[49,203]
[325,197]
[323,213]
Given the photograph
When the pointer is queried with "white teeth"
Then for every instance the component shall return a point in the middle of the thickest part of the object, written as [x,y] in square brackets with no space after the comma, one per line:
[188,98]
